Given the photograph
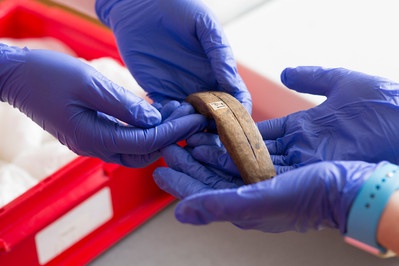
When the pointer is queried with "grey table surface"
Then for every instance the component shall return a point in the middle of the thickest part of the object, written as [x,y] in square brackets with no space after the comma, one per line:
[165,241]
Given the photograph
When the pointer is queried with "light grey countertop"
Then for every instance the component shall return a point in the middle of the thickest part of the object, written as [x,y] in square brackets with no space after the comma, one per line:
[165,241]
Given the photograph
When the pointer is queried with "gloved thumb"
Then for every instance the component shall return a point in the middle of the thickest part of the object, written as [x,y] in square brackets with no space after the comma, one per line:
[239,206]
[272,128]
[124,105]
[220,54]
[312,79]
[208,207]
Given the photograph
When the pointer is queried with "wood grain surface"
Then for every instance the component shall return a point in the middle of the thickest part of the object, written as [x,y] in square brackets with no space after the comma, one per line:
[238,133]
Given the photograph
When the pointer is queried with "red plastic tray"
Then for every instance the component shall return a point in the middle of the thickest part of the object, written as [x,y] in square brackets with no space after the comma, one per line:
[75,214]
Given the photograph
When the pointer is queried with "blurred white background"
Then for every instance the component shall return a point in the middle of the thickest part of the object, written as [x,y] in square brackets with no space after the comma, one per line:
[228,10]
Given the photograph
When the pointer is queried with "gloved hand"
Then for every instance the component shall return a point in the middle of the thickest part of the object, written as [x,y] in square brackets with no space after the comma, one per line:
[79,106]
[311,197]
[173,48]
[355,122]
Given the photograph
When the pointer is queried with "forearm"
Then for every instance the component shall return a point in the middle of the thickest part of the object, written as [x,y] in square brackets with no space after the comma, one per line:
[388,227]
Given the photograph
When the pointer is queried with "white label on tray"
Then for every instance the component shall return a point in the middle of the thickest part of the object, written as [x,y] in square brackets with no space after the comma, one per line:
[74,225]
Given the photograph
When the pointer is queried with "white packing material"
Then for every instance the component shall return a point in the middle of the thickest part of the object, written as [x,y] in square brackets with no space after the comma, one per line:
[14,181]
[18,133]
[44,160]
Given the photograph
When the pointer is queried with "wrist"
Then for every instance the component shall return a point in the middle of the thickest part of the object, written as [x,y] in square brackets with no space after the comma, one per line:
[388,227]
[368,207]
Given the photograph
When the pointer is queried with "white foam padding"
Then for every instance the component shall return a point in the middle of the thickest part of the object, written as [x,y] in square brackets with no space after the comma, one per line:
[18,133]
[44,160]
[14,181]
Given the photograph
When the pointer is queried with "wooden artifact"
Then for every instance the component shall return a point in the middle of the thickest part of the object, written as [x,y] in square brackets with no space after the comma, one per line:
[238,133]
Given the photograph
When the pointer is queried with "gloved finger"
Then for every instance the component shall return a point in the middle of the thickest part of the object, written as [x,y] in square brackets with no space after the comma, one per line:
[211,206]
[230,177]
[242,95]
[243,207]
[110,98]
[280,169]
[105,136]
[182,110]
[110,118]
[136,160]
[180,160]
[164,100]
[168,109]
[165,134]
[160,98]
[273,128]
[215,157]
[278,160]
[157,106]
[275,147]
[204,138]
[218,50]
[312,79]
[178,184]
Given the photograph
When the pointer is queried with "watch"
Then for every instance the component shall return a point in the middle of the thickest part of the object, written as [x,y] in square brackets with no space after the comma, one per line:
[367,208]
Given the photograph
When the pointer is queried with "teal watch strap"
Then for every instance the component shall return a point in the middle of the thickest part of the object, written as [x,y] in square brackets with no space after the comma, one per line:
[368,206]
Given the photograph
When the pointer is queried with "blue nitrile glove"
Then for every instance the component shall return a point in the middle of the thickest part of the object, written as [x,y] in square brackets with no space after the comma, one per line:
[356,122]
[79,106]
[208,149]
[311,197]
[173,48]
